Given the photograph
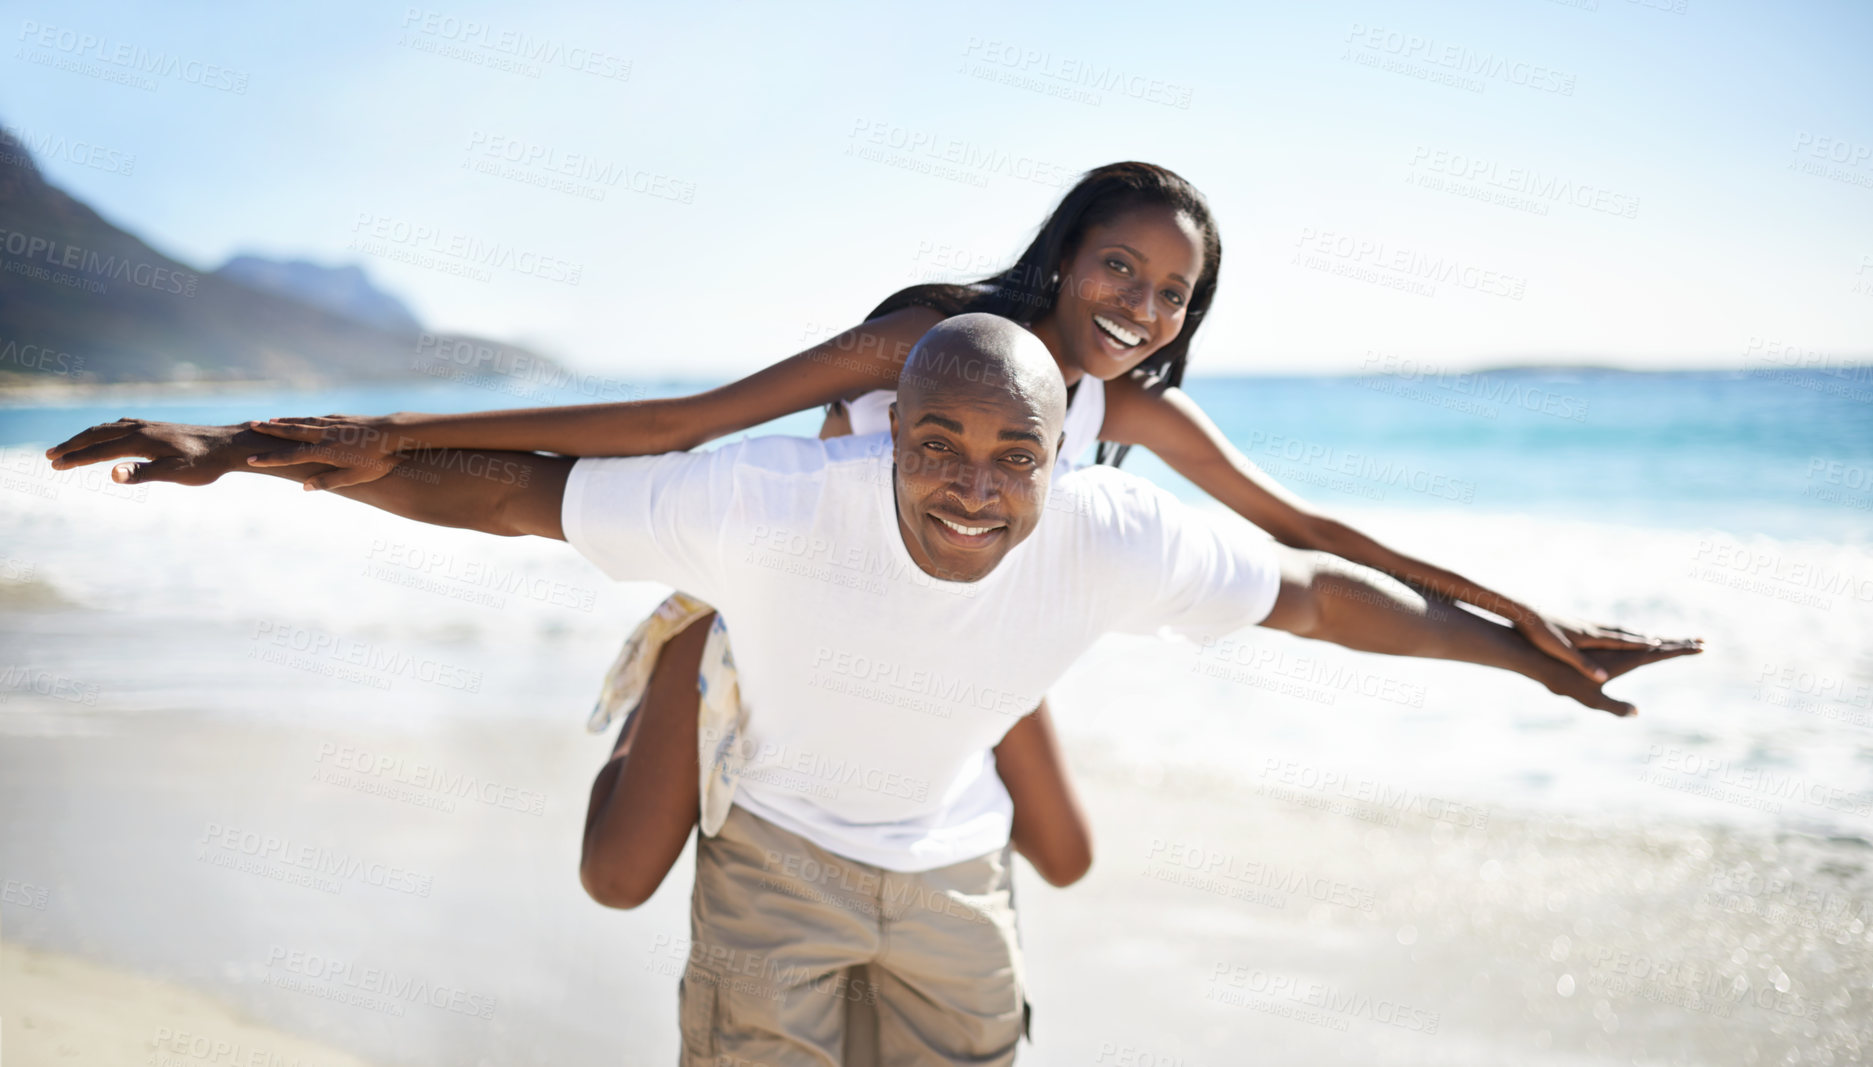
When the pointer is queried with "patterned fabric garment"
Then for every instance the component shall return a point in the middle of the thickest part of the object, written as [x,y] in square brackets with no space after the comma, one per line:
[720,717]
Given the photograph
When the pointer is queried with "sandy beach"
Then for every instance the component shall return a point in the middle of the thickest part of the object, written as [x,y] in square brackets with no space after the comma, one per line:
[259,871]
[63,1009]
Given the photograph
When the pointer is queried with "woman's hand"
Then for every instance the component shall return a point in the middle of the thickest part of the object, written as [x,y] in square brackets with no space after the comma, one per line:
[173,451]
[1565,638]
[364,448]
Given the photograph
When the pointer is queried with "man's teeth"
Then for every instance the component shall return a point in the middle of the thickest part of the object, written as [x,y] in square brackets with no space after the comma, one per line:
[966,531]
[1119,333]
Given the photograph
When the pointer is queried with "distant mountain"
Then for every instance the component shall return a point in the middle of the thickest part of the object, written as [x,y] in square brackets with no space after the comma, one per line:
[343,290]
[82,300]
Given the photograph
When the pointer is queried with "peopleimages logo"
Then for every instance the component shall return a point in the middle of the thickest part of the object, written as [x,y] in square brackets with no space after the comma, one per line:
[78,152]
[1297,778]
[1016,61]
[42,358]
[1318,248]
[1229,984]
[1256,873]
[1525,180]
[1455,57]
[422,777]
[953,690]
[383,988]
[354,660]
[132,59]
[959,158]
[1721,779]
[1388,373]
[504,48]
[94,267]
[436,247]
[312,865]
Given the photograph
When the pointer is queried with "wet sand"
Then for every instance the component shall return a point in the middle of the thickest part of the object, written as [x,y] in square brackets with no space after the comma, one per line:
[208,868]
[61,1009]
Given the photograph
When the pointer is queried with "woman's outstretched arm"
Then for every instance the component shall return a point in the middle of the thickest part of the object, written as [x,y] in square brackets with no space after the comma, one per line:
[363,448]
[503,493]
[1171,425]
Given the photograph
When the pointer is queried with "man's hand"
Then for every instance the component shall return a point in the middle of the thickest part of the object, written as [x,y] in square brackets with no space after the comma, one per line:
[176,452]
[1567,639]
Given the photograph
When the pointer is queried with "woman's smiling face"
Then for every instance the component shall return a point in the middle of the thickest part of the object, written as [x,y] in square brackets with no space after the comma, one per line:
[1124,292]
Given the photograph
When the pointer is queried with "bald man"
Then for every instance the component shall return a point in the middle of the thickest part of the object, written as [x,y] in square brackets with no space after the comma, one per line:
[898,601]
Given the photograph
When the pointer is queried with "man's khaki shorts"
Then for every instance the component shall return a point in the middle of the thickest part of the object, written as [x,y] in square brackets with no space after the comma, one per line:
[778,926]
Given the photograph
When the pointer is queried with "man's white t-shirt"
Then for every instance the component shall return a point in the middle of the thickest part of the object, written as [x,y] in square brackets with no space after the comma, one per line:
[875,692]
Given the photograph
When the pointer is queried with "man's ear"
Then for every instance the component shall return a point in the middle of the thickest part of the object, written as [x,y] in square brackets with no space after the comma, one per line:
[1060,447]
[891,418]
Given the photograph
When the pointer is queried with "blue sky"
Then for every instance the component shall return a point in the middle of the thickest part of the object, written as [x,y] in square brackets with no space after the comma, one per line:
[1647,184]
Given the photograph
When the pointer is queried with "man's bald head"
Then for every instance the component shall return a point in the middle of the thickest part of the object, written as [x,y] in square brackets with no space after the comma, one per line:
[978,357]
[975,432]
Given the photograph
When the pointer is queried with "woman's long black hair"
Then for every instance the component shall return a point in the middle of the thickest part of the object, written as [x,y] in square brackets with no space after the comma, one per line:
[1026,292]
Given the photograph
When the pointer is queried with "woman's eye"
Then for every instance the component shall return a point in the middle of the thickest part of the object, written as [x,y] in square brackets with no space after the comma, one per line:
[1119,265]
[1176,298]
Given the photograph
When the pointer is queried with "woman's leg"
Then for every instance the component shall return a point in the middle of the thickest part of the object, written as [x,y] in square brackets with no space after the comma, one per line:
[838,421]
[1050,828]
[1323,601]
[638,822]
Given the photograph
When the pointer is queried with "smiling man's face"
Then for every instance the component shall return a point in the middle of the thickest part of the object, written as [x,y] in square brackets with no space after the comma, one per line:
[976,429]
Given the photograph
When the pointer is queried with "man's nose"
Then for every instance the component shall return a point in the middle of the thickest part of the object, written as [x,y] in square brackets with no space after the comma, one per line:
[975,485]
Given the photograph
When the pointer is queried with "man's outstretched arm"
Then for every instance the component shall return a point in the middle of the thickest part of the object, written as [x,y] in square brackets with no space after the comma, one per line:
[502,493]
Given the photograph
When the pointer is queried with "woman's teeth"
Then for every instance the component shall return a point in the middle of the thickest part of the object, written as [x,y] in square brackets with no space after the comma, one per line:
[1119,333]
[966,531]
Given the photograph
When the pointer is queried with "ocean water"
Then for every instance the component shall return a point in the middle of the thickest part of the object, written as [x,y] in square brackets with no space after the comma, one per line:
[1778,450]
[1735,506]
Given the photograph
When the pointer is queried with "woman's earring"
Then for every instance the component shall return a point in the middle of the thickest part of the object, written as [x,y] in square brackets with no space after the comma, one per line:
[1055,280]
